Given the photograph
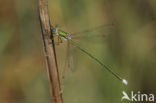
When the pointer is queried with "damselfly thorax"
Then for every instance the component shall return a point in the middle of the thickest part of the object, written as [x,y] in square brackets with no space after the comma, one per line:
[62,34]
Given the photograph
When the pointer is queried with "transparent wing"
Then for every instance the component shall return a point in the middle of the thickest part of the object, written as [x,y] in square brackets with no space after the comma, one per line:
[98,29]
[90,35]
[69,62]
[94,33]
[71,57]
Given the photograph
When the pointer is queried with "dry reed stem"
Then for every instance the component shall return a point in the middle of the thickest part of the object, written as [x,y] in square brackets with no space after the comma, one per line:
[50,55]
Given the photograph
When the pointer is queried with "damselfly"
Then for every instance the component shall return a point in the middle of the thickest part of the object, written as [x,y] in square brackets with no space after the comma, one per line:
[62,35]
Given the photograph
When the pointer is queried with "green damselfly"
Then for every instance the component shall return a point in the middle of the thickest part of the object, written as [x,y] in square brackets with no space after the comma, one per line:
[62,35]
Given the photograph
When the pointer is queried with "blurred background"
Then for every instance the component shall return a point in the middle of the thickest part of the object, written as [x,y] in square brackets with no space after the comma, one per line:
[128,47]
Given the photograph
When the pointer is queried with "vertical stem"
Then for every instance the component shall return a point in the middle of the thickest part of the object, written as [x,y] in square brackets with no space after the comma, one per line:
[50,55]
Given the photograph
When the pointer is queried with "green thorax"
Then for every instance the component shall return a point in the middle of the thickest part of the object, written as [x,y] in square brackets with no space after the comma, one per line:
[62,33]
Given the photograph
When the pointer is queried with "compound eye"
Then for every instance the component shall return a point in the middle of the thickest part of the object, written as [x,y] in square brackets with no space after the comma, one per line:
[53,30]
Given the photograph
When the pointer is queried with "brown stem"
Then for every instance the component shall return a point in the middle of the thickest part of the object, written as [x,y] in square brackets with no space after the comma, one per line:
[50,55]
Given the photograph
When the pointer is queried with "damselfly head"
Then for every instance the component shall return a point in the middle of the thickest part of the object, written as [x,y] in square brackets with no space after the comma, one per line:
[55,31]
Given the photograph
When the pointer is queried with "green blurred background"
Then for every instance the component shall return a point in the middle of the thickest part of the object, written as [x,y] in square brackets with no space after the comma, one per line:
[129,49]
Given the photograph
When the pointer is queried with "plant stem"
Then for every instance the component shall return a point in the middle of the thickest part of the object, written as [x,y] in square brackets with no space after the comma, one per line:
[49,48]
